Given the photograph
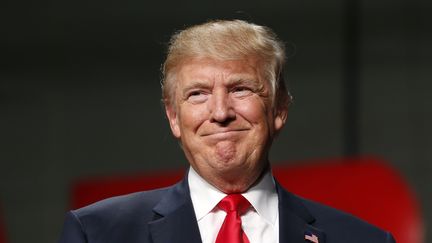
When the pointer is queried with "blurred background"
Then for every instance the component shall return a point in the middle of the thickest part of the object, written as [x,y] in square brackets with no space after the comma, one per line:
[80,93]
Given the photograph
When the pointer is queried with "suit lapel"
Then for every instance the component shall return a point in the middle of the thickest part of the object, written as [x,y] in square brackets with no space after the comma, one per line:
[175,221]
[295,221]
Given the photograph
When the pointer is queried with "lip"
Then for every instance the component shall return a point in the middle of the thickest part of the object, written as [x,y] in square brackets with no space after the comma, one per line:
[223,133]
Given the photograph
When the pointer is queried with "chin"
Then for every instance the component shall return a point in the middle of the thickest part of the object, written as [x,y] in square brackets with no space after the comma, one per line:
[230,165]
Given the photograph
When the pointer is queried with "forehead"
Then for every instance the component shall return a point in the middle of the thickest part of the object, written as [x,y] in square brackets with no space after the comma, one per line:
[206,70]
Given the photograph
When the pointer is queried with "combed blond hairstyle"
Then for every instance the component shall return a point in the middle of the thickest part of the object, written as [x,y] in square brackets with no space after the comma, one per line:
[228,40]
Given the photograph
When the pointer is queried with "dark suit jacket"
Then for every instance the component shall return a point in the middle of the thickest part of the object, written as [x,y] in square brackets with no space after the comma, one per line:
[167,216]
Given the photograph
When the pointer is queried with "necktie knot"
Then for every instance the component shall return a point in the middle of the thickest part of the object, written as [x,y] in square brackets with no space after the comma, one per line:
[231,230]
[234,202]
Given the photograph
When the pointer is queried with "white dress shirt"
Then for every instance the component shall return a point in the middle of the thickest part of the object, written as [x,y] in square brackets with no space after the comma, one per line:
[260,223]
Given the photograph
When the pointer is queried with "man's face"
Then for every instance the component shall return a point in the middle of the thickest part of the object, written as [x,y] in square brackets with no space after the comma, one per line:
[224,119]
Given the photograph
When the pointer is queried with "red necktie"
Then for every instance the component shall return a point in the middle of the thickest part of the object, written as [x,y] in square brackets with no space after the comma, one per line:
[231,231]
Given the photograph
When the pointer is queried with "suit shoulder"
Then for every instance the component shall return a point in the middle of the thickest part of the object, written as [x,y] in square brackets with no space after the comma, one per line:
[122,207]
[341,225]
[118,219]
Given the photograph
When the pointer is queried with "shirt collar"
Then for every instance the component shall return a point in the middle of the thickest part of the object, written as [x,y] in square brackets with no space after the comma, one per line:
[204,195]
[262,196]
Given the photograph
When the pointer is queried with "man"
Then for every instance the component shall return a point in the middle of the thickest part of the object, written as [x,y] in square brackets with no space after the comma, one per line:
[225,100]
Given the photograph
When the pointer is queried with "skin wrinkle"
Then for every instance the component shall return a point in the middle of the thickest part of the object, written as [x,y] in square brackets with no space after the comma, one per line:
[225,150]
[171,78]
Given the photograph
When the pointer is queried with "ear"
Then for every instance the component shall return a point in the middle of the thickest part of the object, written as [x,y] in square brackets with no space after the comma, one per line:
[172,116]
[280,119]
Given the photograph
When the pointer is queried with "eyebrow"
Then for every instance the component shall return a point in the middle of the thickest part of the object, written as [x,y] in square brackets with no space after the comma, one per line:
[233,81]
[196,84]
[243,80]
[252,81]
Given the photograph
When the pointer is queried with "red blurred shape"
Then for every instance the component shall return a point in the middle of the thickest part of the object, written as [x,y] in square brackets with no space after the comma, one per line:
[2,230]
[366,187]
[90,190]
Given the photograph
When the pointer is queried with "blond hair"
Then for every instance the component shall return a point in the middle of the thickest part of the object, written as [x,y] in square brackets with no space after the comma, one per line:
[228,40]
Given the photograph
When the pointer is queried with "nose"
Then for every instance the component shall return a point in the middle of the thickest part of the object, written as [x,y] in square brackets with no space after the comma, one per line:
[220,107]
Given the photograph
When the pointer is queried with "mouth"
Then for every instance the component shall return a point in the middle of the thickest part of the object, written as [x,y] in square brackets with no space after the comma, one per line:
[226,133]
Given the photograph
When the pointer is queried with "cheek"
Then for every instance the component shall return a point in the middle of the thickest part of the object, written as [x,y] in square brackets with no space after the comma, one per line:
[191,117]
[253,110]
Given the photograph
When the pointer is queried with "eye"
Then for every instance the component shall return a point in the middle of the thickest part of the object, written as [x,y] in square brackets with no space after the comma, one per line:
[195,93]
[241,91]
[197,96]
[241,88]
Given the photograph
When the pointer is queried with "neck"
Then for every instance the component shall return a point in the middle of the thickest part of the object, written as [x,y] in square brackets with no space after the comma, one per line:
[237,181]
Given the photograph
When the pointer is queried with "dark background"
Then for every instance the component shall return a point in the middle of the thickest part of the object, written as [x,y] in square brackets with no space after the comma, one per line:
[80,93]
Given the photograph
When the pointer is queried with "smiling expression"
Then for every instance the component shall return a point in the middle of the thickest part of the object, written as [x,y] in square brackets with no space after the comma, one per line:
[222,114]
